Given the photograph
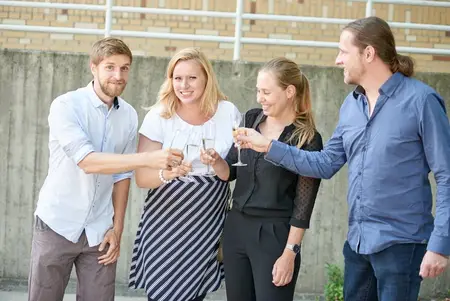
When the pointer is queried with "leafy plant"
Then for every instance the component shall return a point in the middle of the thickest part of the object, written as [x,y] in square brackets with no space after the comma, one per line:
[334,288]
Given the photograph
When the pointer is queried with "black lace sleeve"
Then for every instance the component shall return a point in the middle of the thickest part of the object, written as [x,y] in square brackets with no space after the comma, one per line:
[307,189]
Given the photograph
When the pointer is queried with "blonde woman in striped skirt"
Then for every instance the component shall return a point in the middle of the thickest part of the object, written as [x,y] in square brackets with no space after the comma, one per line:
[175,252]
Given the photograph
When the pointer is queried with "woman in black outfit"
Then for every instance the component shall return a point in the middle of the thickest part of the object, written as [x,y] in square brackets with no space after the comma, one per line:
[271,206]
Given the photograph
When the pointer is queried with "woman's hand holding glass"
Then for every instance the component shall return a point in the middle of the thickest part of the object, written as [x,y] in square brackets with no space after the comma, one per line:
[179,144]
[207,152]
[209,156]
[192,150]
[178,171]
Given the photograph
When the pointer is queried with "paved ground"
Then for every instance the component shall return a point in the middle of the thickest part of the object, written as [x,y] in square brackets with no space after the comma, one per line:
[22,296]
[16,291]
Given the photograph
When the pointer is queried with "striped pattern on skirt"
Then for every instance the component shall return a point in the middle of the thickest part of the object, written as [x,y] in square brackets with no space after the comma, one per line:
[175,251]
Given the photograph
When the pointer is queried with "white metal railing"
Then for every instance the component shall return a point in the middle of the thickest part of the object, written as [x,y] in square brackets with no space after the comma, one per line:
[239,16]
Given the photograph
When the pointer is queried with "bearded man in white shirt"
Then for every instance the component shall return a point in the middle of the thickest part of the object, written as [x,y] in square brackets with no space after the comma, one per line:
[81,207]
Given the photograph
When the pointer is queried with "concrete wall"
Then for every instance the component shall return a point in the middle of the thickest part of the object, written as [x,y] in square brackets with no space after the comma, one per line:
[29,81]
[345,9]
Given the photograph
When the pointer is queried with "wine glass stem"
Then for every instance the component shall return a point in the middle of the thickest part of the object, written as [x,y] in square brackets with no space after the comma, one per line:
[239,153]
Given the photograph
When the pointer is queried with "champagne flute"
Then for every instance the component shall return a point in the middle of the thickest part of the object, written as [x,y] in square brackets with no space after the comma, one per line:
[208,139]
[192,149]
[177,141]
[237,120]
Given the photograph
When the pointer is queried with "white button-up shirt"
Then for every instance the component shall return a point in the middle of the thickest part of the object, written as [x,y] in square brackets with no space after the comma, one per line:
[70,200]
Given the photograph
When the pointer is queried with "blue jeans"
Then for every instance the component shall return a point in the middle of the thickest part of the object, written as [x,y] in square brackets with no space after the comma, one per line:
[389,275]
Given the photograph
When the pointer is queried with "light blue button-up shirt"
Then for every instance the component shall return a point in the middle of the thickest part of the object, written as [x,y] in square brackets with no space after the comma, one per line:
[389,155]
[70,200]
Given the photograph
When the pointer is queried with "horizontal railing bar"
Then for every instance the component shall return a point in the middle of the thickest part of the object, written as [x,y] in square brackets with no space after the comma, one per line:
[49,29]
[176,12]
[32,4]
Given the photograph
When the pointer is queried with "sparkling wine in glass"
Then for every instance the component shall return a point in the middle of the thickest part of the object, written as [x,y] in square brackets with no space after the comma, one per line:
[193,148]
[238,120]
[208,139]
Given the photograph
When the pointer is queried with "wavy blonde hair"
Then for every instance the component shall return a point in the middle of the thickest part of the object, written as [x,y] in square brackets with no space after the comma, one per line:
[211,95]
[288,73]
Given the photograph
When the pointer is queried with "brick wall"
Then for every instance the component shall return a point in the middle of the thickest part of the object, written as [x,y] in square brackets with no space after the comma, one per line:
[225,27]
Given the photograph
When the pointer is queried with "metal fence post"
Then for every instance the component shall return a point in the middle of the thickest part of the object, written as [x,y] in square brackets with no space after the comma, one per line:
[238,30]
[369,6]
[108,17]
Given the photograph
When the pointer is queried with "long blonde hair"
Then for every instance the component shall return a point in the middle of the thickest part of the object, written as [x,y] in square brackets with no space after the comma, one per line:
[288,73]
[211,96]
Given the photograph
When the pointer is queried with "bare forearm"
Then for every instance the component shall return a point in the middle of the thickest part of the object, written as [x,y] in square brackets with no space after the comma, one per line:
[104,163]
[120,200]
[148,178]
[221,169]
[296,235]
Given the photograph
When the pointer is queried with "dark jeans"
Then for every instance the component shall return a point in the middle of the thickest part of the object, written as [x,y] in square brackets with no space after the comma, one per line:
[389,275]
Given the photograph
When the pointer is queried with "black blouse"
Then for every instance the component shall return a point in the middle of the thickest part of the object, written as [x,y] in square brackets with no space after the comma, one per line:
[266,190]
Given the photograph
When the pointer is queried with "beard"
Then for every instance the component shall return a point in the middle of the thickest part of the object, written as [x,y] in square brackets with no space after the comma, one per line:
[354,77]
[112,89]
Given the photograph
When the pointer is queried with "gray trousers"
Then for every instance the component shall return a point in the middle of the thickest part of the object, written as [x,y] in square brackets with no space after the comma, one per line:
[52,259]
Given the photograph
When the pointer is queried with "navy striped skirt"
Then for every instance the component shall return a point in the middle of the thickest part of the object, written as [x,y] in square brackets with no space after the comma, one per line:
[175,251]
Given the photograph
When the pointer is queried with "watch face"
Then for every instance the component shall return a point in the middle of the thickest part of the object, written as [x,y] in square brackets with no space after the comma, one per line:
[296,249]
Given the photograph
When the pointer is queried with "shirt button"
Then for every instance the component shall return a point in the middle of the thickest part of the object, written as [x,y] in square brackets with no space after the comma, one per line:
[359,173]
[357,197]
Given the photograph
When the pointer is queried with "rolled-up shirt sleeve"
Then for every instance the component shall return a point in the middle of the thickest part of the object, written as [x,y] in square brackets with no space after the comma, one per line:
[67,130]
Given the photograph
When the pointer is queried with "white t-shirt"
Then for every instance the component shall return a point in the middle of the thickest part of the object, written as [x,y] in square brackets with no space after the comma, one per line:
[159,129]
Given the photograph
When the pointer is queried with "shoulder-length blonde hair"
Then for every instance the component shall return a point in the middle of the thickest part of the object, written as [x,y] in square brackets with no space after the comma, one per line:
[211,96]
[288,73]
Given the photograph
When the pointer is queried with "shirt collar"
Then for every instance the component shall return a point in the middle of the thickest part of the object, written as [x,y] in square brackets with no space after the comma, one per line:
[359,90]
[96,101]
[388,88]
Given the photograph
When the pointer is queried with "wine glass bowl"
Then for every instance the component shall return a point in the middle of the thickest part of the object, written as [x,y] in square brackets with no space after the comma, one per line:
[237,121]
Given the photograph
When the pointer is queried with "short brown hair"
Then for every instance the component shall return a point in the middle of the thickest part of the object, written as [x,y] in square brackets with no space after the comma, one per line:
[107,47]
[375,32]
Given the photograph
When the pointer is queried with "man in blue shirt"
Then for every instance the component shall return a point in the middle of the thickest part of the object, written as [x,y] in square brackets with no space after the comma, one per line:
[393,130]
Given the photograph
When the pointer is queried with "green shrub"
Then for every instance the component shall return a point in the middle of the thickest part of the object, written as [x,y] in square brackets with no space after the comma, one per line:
[334,288]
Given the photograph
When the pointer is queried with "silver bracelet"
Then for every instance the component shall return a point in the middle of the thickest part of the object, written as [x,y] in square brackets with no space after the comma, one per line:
[162,178]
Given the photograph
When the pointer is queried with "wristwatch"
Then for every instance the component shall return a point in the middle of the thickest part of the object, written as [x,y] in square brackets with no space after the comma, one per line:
[293,248]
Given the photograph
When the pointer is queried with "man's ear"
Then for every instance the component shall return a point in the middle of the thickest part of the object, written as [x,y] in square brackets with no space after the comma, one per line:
[93,68]
[369,54]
